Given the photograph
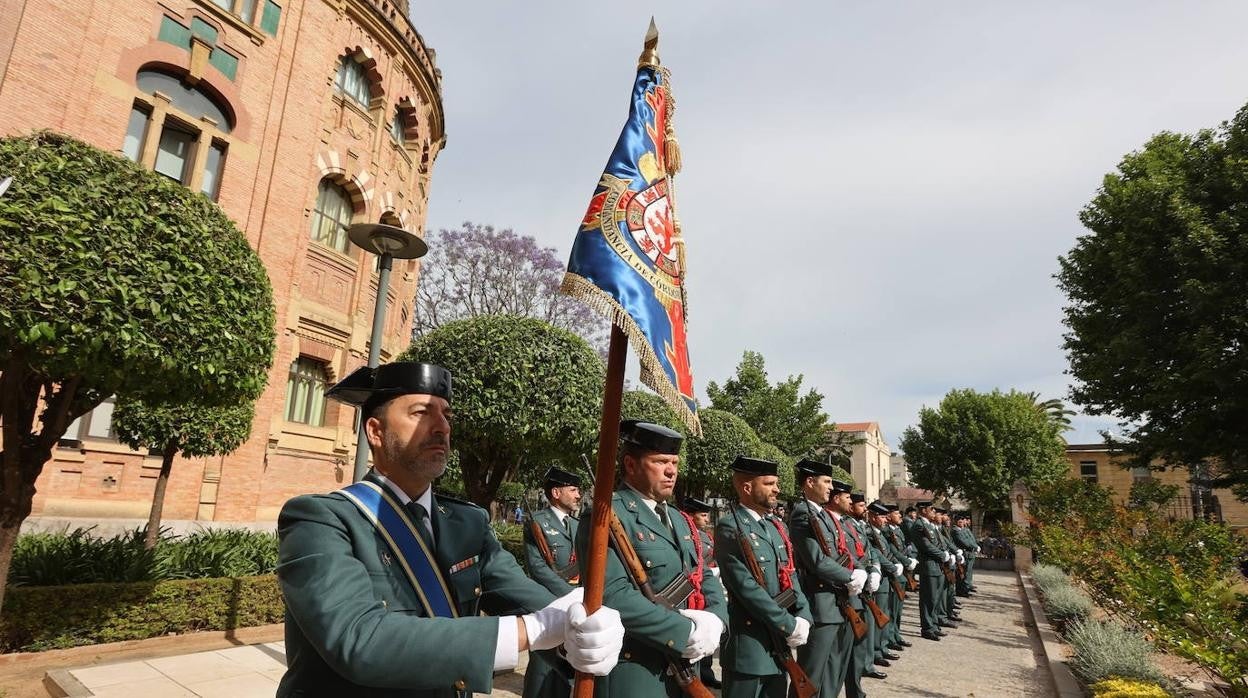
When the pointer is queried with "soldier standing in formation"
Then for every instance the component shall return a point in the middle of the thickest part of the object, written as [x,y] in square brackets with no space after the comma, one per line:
[931,555]
[893,564]
[964,538]
[828,574]
[700,511]
[865,659]
[548,545]
[951,605]
[768,614]
[686,627]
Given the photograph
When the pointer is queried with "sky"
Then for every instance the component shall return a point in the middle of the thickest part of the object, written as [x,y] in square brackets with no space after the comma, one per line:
[874,195]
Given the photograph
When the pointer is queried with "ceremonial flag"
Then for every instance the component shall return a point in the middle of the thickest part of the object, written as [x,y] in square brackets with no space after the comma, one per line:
[628,259]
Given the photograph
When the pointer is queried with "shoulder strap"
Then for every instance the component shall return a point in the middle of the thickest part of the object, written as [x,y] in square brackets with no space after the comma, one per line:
[409,549]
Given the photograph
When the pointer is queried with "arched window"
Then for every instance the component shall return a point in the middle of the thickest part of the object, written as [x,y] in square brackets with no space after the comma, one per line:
[178,130]
[331,216]
[352,81]
[397,131]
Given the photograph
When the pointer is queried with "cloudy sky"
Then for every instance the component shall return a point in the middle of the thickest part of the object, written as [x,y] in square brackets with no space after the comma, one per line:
[874,194]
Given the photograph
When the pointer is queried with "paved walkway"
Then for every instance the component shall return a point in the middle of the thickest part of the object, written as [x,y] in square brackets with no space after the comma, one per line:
[992,655]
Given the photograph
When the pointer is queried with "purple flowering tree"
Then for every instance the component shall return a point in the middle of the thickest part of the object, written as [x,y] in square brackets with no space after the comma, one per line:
[476,270]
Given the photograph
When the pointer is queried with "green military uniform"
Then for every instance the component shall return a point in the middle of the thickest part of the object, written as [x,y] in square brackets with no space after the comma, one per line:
[654,635]
[757,625]
[862,660]
[895,540]
[948,611]
[547,674]
[694,506]
[924,537]
[885,597]
[355,625]
[964,538]
[826,655]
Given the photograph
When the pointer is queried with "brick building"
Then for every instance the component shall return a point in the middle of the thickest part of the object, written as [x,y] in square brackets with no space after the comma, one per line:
[299,117]
[1097,463]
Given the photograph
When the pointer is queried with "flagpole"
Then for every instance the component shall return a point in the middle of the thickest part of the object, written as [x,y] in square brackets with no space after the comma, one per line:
[595,574]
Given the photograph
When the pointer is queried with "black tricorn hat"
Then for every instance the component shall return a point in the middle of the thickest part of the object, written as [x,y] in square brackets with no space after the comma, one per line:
[857,497]
[839,487]
[893,507]
[922,505]
[878,507]
[695,506]
[558,477]
[370,385]
[753,466]
[807,467]
[652,437]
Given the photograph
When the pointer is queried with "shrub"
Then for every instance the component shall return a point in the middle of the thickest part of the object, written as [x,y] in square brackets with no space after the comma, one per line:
[1049,577]
[43,618]
[1127,688]
[512,537]
[1106,649]
[1066,604]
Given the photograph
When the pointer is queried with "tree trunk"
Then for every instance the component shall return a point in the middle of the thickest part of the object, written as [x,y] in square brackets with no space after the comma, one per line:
[152,534]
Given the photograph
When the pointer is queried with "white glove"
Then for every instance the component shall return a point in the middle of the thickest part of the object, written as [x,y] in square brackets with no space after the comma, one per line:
[897,570]
[593,643]
[948,557]
[545,628]
[704,637]
[714,571]
[857,580]
[801,631]
[961,557]
[977,550]
[873,582]
[911,563]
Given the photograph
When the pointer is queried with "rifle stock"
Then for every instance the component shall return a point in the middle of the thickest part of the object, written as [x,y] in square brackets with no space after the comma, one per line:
[881,618]
[900,592]
[912,582]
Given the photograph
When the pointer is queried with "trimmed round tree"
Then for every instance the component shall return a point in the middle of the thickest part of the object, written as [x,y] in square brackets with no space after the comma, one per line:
[113,279]
[526,393]
[194,430]
[784,466]
[648,407]
[705,469]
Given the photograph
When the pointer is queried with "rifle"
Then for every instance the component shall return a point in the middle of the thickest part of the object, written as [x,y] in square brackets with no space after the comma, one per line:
[868,598]
[786,599]
[568,574]
[671,596]
[879,541]
[897,589]
[842,592]
[912,582]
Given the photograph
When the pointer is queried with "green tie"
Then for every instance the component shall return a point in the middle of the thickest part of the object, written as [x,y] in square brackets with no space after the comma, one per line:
[421,518]
[661,509]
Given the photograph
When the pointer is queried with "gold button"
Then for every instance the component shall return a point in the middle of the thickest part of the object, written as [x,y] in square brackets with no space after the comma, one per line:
[647,563]
[670,643]
[460,685]
[748,623]
[383,603]
[628,655]
[476,591]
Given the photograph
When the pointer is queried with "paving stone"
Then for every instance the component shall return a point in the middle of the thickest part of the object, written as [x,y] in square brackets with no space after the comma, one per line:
[112,674]
[249,685]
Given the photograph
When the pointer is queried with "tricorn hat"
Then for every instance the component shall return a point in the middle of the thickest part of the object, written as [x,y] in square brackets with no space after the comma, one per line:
[368,386]
[807,467]
[652,437]
[857,497]
[839,487]
[695,506]
[922,505]
[878,507]
[753,466]
[558,477]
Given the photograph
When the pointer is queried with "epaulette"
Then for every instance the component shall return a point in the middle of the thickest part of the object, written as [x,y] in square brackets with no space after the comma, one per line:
[443,497]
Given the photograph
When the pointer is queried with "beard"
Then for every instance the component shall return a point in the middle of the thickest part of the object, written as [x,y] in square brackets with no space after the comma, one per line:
[425,465]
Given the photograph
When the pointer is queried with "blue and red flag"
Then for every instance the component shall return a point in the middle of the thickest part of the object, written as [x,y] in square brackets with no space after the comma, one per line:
[628,258]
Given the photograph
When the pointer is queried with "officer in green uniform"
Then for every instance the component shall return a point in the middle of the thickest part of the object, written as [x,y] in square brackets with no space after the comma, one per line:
[951,604]
[864,657]
[548,546]
[700,512]
[757,623]
[826,655]
[896,541]
[964,538]
[355,623]
[924,537]
[656,636]
[892,568]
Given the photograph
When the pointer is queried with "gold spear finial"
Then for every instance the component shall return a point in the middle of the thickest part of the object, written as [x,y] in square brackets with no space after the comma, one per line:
[650,51]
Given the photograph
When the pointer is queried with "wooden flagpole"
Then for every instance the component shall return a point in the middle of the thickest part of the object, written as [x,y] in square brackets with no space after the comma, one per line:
[604,485]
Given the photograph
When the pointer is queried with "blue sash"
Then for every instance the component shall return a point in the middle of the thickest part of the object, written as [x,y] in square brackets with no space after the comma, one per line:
[420,566]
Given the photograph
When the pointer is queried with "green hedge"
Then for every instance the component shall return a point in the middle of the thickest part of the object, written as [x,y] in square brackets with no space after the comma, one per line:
[43,618]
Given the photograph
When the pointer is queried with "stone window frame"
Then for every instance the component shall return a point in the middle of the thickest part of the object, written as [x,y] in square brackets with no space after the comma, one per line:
[355,205]
[300,378]
[1093,476]
[80,430]
[161,114]
[372,79]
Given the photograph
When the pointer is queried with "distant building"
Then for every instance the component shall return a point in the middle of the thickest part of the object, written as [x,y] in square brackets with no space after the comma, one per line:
[1097,463]
[900,470]
[869,461]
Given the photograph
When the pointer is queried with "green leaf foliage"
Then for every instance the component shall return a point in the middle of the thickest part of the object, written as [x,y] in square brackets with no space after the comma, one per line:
[526,394]
[117,275]
[784,465]
[705,468]
[648,407]
[979,444]
[780,414]
[196,430]
[44,618]
[1158,301]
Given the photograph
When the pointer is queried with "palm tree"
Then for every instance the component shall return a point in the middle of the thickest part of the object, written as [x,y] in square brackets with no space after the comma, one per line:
[1055,410]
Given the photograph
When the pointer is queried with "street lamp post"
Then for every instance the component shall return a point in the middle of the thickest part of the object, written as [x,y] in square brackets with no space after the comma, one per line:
[389,243]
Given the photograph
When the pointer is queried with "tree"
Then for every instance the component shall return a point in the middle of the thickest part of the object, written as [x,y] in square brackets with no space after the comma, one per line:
[476,270]
[648,407]
[1054,409]
[113,279]
[979,444]
[526,393]
[784,466]
[194,430]
[705,468]
[1158,302]
[780,414]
